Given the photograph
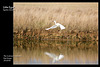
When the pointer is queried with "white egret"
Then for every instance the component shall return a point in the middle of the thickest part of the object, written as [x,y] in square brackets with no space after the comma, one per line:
[55,58]
[56,25]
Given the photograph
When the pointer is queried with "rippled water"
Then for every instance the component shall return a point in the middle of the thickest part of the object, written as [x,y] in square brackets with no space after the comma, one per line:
[50,52]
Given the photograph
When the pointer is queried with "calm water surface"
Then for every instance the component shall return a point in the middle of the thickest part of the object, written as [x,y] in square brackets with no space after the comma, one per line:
[55,52]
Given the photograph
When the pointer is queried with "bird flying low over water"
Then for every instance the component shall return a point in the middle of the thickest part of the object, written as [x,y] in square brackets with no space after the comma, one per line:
[55,58]
[56,25]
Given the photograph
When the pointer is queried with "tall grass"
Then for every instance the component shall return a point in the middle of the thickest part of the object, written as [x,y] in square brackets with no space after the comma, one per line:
[79,16]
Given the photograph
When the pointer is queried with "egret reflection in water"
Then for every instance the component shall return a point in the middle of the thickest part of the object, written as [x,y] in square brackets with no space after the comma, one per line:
[37,52]
[55,58]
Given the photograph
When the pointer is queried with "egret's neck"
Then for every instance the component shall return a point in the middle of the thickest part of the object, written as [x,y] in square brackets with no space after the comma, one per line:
[55,22]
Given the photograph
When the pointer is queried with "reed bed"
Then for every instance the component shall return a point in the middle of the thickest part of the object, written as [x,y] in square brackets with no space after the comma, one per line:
[31,20]
[74,16]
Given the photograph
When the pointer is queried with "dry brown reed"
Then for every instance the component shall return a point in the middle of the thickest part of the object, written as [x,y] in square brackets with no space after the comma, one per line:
[74,16]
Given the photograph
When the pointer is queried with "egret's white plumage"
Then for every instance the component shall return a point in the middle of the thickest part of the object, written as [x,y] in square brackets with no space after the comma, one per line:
[56,25]
[55,58]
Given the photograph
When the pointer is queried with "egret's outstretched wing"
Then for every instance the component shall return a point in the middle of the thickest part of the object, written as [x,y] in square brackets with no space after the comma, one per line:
[61,56]
[50,55]
[53,60]
[54,26]
[62,27]
[47,29]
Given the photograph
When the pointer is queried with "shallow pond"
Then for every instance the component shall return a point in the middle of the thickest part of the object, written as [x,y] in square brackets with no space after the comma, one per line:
[55,52]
